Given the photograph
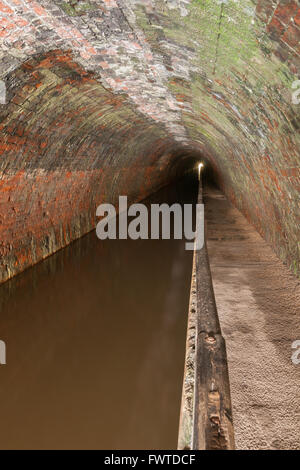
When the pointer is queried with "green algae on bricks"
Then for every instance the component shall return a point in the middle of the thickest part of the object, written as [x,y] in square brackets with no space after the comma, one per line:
[77,8]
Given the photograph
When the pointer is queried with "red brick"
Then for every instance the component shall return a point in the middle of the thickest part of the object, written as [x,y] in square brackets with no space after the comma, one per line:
[286,11]
[276,28]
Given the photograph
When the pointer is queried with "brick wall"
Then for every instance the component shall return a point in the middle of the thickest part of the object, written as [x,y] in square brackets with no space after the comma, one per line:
[104,96]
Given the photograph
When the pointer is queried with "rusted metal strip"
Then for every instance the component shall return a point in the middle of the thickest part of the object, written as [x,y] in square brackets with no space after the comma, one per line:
[207,424]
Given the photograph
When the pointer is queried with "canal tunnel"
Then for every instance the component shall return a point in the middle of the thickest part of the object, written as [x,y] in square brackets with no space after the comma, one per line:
[103,98]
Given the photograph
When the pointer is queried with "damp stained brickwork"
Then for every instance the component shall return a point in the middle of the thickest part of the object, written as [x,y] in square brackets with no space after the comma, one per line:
[67,145]
[104,96]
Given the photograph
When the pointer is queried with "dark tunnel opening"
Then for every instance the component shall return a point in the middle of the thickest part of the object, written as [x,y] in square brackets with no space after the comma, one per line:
[182,165]
[107,98]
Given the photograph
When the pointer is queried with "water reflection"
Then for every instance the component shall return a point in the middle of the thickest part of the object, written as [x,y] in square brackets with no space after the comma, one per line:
[95,341]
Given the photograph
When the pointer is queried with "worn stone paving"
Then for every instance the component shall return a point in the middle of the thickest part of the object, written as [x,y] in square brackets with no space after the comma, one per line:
[258,306]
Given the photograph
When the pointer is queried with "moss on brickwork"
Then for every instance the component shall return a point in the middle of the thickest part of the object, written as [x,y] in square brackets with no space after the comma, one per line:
[67,145]
[77,7]
[239,96]
[201,75]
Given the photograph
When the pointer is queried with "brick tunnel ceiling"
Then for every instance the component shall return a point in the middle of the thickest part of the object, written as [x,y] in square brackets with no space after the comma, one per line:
[104,97]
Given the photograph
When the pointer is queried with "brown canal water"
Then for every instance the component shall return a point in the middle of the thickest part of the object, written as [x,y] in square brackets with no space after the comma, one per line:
[95,339]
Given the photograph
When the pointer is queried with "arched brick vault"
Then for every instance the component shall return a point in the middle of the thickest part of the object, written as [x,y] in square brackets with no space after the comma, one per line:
[68,144]
[104,96]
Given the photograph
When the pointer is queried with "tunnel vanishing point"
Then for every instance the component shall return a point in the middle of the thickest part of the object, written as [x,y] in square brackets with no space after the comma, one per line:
[102,98]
